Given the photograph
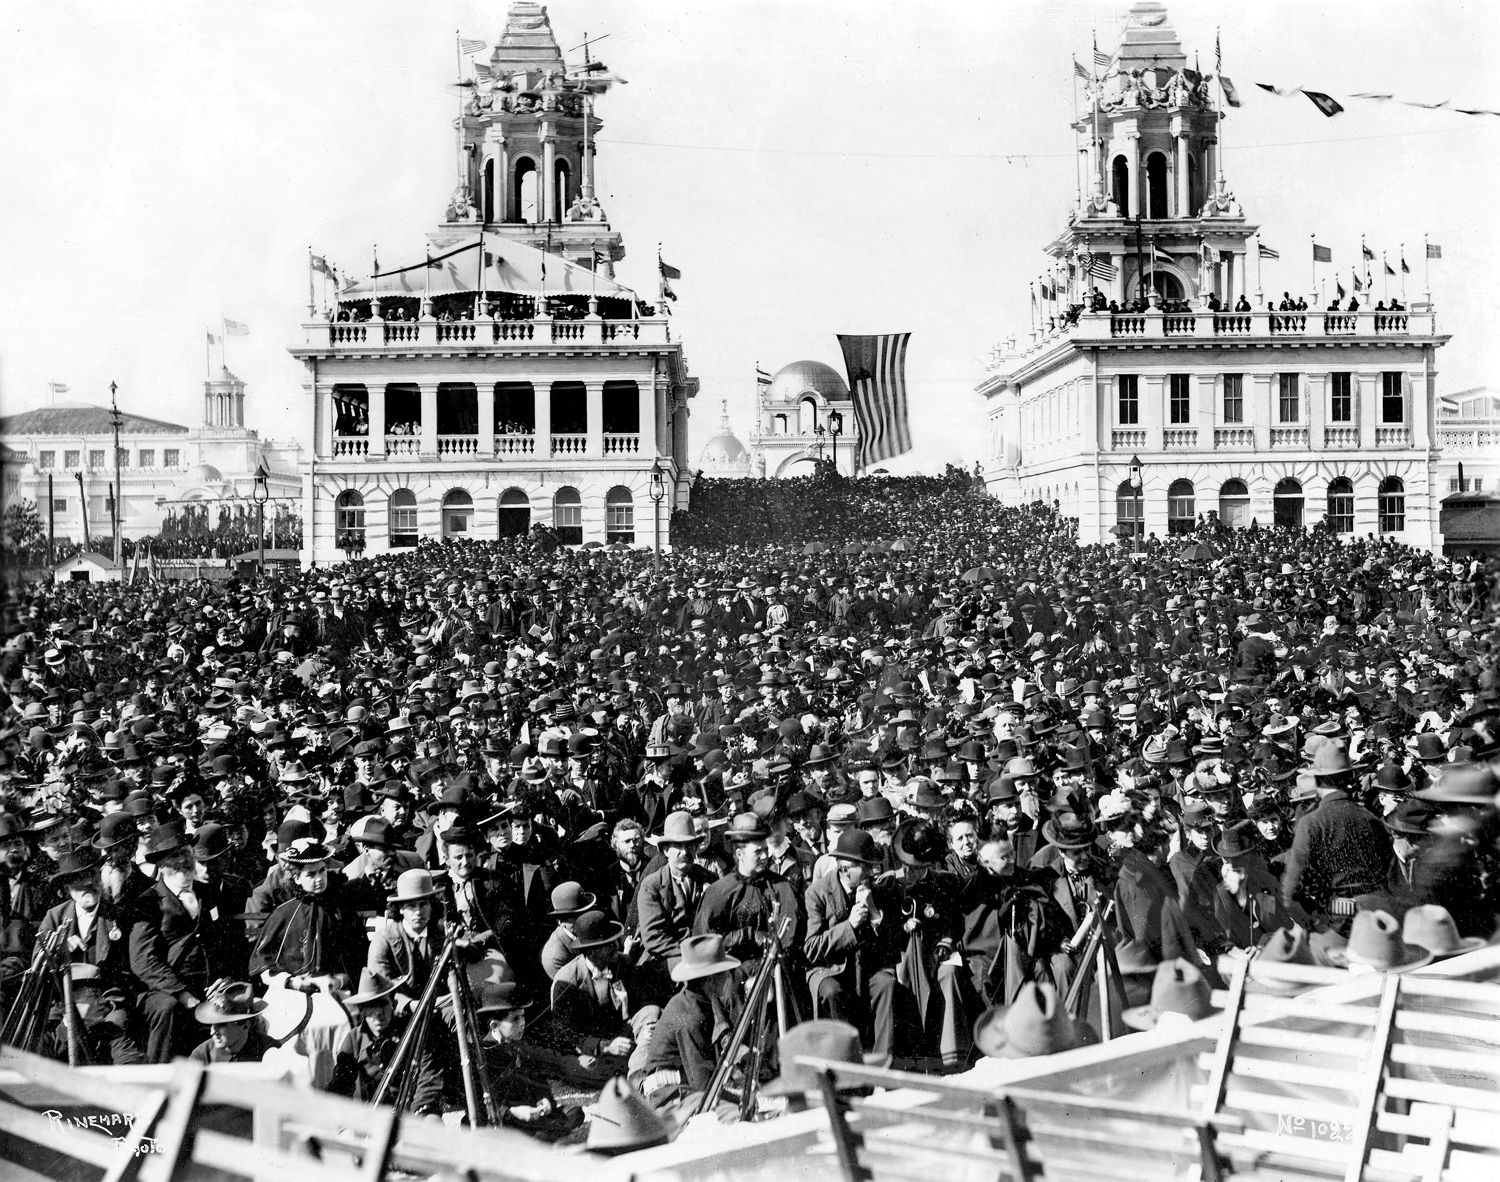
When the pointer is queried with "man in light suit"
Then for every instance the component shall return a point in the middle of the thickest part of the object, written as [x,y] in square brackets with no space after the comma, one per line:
[854,942]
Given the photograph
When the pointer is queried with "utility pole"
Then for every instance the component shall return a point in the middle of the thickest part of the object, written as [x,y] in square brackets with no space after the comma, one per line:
[114,414]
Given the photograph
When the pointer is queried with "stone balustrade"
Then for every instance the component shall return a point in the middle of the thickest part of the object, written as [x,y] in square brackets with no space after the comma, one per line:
[362,336]
[619,444]
[515,444]
[1179,438]
[570,445]
[402,445]
[350,446]
[1340,437]
[1234,438]
[457,447]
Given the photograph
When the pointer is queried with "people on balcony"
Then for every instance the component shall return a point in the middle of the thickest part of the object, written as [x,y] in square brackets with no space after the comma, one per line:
[1242,304]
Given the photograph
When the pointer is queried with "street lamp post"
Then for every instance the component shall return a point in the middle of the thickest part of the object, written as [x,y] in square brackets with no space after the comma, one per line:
[818,434]
[658,491]
[1138,527]
[260,492]
[835,429]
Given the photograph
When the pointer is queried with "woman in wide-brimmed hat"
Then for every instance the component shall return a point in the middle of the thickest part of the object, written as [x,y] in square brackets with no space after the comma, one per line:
[315,936]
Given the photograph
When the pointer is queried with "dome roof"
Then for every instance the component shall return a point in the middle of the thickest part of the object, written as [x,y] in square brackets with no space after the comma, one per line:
[203,474]
[808,377]
[724,452]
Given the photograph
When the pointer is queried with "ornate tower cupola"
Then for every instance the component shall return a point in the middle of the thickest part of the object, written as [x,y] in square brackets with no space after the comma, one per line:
[526,147]
[1155,215]
[224,400]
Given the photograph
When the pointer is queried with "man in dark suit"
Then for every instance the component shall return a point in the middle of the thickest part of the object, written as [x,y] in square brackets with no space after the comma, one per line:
[854,942]
[94,930]
[667,901]
[175,944]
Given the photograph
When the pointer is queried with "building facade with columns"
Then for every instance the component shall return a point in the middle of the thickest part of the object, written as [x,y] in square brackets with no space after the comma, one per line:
[1158,386]
[503,379]
[163,465]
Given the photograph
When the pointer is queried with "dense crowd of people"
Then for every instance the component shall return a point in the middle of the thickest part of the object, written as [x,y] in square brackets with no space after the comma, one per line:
[935,776]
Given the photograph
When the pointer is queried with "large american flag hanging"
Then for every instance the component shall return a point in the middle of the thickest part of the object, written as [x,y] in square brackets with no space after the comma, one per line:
[877,382]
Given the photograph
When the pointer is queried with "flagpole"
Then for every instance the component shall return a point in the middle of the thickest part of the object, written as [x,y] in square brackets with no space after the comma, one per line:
[1385,278]
[1403,272]
[312,304]
[1259,294]
[1099,188]
[1426,276]
[1314,239]
[1219,123]
[1077,172]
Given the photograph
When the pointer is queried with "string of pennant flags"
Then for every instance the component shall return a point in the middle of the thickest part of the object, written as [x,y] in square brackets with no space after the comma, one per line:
[1331,106]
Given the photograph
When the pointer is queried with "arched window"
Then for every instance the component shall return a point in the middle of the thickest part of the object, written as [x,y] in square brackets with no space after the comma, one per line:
[567,516]
[1195,188]
[489,190]
[1166,285]
[515,513]
[1128,510]
[560,174]
[619,515]
[807,416]
[524,198]
[349,521]
[1392,505]
[1341,505]
[1156,185]
[1234,504]
[1287,504]
[402,518]
[458,513]
[1120,185]
[1181,515]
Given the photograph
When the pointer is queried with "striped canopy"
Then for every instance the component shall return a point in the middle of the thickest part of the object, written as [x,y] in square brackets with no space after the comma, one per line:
[512,267]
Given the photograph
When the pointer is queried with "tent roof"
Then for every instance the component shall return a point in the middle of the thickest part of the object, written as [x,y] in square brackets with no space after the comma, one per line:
[513,267]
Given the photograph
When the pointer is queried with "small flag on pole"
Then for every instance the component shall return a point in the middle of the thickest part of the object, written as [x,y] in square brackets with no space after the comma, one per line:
[1101,60]
[1338,286]
[1389,270]
[1367,252]
[1322,254]
[469,45]
[57,388]
[877,384]
[1358,286]
[1434,251]
[1079,71]
[233,328]
[1231,95]
[321,265]
[667,270]
[212,339]
[1267,252]
[762,377]
[1405,270]
[1326,103]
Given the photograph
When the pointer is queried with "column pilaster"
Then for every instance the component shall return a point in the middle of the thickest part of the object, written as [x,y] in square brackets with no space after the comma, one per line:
[594,408]
[428,431]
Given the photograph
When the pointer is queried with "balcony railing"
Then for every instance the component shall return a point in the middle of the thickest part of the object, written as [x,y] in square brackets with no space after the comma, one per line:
[569,445]
[1341,437]
[348,446]
[1127,438]
[1234,438]
[363,336]
[457,447]
[1201,324]
[403,445]
[1469,440]
[616,444]
[1284,438]
[1179,438]
[514,444]
[1393,436]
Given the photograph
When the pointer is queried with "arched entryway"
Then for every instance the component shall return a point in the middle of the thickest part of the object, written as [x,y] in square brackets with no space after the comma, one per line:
[458,514]
[515,513]
[1288,502]
[1234,504]
[1156,185]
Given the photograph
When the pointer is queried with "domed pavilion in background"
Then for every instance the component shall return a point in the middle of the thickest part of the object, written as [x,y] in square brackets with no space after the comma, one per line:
[498,376]
[724,455]
[1210,399]
[803,414]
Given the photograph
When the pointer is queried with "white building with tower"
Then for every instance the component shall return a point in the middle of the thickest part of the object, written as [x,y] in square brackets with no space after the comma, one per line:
[164,466]
[1217,401]
[501,377]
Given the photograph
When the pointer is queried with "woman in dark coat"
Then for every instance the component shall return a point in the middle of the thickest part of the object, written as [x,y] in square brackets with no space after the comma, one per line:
[315,936]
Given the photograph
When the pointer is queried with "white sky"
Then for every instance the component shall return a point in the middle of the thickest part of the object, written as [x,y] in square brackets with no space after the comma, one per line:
[812,166]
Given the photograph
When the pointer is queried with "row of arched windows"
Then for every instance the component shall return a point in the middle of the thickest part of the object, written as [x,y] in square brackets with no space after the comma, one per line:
[457,516]
[1288,502]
